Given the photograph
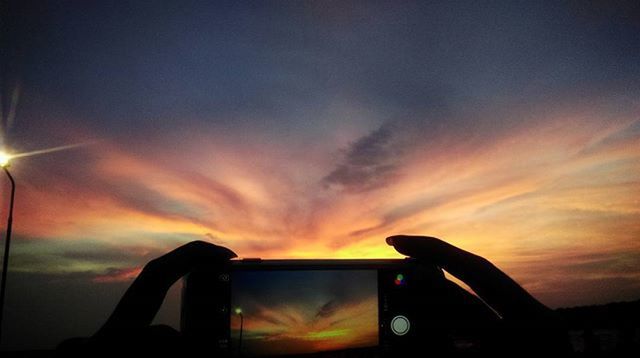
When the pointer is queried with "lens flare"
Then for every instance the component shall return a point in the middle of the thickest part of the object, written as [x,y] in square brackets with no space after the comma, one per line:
[5,158]
[51,150]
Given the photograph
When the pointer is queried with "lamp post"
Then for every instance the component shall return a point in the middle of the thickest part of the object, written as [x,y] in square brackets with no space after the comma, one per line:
[5,158]
[4,163]
[239,313]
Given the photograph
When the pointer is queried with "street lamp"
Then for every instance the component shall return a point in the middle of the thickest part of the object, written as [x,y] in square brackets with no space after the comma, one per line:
[5,159]
[239,313]
[4,163]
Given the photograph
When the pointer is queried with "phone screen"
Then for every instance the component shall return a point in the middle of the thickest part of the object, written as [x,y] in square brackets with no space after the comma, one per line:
[280,312]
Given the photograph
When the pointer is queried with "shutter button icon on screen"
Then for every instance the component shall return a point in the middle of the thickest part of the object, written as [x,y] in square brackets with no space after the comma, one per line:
[400,325]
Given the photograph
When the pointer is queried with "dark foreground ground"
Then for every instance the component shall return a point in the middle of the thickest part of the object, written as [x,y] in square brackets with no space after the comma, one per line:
[605,330]
[611,330]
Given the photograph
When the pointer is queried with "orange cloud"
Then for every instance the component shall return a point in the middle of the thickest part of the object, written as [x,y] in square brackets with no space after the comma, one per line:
[562,186]
[118,275]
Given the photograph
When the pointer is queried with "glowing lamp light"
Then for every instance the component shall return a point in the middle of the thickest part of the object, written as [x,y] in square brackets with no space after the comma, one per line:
[238,310]
[5,158]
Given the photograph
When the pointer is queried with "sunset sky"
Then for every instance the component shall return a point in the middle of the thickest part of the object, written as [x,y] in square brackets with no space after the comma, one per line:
[304,129]
[295,312]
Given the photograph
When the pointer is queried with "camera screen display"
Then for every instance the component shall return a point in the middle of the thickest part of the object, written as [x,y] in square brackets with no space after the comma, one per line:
[284,312]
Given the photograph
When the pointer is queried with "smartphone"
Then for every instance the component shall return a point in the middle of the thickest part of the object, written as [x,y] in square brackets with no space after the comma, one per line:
[253,307]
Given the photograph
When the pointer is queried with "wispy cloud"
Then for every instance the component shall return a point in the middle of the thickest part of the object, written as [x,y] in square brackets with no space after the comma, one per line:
[370,162]
[563,183]
[115,274]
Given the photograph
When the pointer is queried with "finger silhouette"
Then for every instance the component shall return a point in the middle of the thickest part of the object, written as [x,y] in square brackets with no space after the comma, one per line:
[143,298]
[497,289]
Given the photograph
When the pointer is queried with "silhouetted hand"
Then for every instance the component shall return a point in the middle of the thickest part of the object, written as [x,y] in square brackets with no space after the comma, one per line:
[521,323]
[128,329]
[525,325]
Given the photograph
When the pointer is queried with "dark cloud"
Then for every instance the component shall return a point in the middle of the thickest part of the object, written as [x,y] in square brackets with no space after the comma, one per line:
[140,197]
[117,274]
[87,259]
[613,263]
[112,254]
[369,163]
[328,309]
